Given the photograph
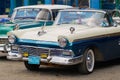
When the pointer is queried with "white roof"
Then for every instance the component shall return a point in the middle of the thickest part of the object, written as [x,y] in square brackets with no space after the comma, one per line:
[102,11]
[45,6]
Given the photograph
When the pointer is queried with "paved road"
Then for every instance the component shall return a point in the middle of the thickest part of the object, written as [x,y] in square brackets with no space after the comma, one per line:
[14,70]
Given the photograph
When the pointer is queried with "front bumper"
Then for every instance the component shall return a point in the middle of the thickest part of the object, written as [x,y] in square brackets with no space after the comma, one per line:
[14,56]
[50,59]
[5,47]
[53,55]
[1,47]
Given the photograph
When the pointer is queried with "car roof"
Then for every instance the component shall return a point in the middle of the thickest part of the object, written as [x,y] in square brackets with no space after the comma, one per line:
[102,11]
[45,6]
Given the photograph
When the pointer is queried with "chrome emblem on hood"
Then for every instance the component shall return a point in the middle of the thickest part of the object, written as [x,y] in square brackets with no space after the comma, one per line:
[72,29]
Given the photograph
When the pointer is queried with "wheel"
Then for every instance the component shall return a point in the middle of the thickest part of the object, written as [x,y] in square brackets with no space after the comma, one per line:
[31,66]
[88,63]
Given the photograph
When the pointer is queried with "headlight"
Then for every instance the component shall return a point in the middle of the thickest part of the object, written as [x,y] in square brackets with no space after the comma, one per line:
[16,27]
[62,42]
[11,39]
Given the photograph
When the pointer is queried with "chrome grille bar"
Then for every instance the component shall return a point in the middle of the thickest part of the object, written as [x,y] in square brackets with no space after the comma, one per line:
[39,50]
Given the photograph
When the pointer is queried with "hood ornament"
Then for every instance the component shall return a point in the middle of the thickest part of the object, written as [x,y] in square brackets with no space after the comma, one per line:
[41,32]
[72,29]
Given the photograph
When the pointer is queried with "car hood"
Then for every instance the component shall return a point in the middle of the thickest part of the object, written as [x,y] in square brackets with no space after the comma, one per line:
[52,33]
[4,28]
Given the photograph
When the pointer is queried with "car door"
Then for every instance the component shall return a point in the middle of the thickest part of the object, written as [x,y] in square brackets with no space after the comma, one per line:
[113,39]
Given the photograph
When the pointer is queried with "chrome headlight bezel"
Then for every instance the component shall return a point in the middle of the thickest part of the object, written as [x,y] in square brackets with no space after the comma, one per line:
[12,39]
[63,42]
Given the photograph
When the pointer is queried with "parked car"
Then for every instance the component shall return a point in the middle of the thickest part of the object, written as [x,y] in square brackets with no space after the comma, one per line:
[78,37]
[28,17]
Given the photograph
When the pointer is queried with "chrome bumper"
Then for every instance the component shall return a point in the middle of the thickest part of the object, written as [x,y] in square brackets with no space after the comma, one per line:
[14,56]
[4,47]
[50,59]
[1,47]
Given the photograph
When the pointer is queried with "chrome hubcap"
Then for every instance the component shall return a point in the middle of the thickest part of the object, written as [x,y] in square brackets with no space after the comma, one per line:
[90,60]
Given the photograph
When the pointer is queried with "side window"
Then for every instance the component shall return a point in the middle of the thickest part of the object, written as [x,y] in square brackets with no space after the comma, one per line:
[44,15]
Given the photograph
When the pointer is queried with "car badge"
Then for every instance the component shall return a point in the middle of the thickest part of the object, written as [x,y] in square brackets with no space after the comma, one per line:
[72,29]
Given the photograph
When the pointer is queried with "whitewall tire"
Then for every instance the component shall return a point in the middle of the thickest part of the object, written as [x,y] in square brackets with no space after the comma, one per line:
[87,66]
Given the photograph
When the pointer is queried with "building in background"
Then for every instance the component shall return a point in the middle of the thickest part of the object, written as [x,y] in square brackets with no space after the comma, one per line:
[7,6]
[4,7]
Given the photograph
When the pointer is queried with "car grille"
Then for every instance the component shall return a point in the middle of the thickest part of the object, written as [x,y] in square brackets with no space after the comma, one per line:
[38,51]
[3,40]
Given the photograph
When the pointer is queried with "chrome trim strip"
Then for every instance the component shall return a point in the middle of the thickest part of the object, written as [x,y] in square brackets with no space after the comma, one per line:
[99,36]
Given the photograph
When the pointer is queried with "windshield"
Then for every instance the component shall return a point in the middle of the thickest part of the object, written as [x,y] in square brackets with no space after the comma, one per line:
[30,13]
[80,17]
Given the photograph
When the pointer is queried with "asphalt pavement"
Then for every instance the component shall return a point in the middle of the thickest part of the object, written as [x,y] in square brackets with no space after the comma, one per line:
[15,70]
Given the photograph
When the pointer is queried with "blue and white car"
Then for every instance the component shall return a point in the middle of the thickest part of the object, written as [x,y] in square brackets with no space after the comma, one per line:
[78,37]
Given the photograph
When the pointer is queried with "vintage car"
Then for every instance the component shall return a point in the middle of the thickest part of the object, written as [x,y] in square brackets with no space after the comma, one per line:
[28,17]
[78,38]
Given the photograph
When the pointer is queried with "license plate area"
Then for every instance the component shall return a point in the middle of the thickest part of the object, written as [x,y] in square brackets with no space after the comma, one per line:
[33,60]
